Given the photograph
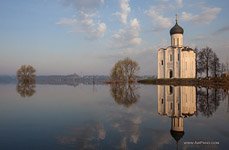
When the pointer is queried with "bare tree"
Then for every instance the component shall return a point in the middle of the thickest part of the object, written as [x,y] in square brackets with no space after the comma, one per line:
[222,68]
[26,73]
[205,57]
[215,65]
[125,70]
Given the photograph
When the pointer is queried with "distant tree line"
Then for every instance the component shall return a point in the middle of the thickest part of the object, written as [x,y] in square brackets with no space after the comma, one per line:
[209,64]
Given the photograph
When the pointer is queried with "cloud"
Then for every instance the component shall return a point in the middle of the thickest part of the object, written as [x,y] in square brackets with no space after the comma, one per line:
[86,19]
[160,22]
[124,12]
[129,36]
[222,30]
[206,16]
[67,22]
[86,23]
[179,3]
[83,4]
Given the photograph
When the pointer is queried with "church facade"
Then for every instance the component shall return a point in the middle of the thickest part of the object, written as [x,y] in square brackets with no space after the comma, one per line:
[176,61]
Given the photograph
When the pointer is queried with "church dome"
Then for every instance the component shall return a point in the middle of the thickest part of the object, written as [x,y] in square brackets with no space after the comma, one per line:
[176,29]
[177,135]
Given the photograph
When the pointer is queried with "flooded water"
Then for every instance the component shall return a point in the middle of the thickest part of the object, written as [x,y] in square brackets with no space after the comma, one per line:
[45,117]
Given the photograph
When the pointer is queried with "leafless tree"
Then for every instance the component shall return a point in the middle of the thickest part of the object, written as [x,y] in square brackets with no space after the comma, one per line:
[215,65]
[205,56]
[125,70]
[26,73]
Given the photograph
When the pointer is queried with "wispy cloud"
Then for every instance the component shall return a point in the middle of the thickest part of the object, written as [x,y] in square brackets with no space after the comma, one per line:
[160,22]
[86,19]
[86,23]
[206,16]
[179,3]
[124,11]
[221,30]
[129,36]
[83,4]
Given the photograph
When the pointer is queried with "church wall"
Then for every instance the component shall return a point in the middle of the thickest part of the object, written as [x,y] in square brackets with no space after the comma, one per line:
[168,62]
[188,66]
[177,124]
[169,96]
[161,99]
[188,97]
[176,63]
[161,63]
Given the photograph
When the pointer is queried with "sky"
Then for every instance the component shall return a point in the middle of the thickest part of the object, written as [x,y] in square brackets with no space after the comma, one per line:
[90,36]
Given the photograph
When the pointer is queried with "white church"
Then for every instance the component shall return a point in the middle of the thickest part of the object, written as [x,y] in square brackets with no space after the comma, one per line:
[176,61]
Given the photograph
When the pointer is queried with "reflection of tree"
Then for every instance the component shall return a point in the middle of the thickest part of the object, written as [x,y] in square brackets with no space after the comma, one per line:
[25,89]
[125,94]
[26,81]
[208,100]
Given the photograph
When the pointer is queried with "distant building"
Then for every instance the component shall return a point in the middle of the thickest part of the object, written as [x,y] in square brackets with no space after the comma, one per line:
[176,61]
[176,102]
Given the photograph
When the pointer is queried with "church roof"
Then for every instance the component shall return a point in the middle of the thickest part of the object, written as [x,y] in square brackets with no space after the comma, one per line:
[176,29]
[186,48]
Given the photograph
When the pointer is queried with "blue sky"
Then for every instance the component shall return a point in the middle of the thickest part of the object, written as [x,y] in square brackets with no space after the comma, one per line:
[89,36]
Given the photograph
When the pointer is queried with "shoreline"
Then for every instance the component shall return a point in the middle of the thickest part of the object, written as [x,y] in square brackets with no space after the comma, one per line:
[218,82]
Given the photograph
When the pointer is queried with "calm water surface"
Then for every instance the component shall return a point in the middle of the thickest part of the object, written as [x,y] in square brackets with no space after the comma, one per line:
[113,117]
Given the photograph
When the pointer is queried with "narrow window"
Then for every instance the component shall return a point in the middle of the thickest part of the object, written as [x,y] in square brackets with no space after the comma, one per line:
[171,105]
[178,57]
[161,62]
[171,57]
[162,101]
[177,41]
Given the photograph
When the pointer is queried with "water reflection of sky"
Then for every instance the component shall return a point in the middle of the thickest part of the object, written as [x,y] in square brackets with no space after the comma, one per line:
[87,117]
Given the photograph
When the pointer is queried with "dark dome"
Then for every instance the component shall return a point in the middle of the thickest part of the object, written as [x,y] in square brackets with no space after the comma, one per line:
[177,135]
[176,29]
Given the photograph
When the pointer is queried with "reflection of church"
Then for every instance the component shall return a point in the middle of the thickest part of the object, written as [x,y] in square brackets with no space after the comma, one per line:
[176,102]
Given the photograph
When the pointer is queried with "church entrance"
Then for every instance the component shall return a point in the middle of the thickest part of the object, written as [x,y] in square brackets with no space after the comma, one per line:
[170,74]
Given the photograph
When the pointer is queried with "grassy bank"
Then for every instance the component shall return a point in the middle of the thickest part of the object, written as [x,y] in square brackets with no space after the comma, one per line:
[222,82]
